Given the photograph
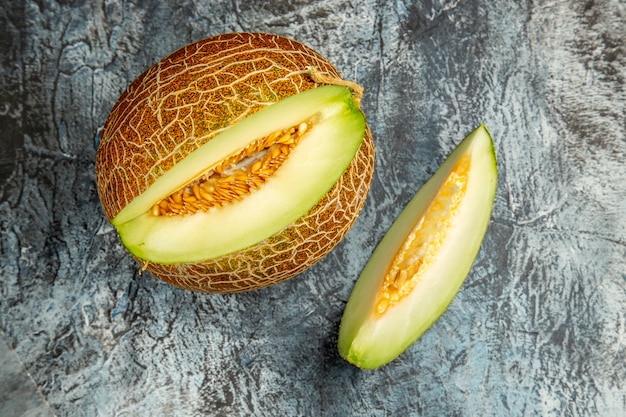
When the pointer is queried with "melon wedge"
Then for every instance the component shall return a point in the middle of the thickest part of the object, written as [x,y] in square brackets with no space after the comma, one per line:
[422,261]
[312,169]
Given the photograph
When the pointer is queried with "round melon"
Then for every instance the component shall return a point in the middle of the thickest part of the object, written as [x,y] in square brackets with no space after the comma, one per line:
[234,163]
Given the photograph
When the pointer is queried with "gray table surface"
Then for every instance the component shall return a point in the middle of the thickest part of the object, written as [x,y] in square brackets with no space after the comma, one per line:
[539,326]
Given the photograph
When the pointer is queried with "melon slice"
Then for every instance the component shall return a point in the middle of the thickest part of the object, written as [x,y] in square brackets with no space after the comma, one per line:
[421,262]
[312,168]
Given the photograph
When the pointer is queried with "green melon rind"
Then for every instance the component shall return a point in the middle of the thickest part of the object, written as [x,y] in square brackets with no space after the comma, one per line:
[313,167]
[370,342]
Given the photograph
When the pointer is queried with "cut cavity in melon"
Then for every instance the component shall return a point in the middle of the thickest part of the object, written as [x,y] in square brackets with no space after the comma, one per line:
[236,176]
[331,130]
[420,264]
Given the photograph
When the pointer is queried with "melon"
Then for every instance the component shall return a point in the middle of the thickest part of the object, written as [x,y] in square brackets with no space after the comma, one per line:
[234,163]
[423,259]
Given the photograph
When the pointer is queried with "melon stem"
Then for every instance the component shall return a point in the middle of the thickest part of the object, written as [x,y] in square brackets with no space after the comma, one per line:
[323,78]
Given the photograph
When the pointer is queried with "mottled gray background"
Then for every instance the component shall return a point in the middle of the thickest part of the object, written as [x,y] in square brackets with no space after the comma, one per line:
[539,325]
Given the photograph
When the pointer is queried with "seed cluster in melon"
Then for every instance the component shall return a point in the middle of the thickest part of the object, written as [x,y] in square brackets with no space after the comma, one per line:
[229,165]
[234,177]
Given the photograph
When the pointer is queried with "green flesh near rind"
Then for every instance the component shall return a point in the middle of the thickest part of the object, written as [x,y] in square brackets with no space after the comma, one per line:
[370,340]
[309,172]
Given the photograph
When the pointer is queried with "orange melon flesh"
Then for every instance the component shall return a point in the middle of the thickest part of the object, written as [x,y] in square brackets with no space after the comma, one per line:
[422,261]
[311,169]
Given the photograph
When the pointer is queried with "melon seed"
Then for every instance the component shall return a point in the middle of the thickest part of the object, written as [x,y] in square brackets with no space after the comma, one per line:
[218,186]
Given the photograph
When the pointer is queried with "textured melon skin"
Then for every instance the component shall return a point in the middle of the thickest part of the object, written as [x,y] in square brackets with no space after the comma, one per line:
[185,100]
